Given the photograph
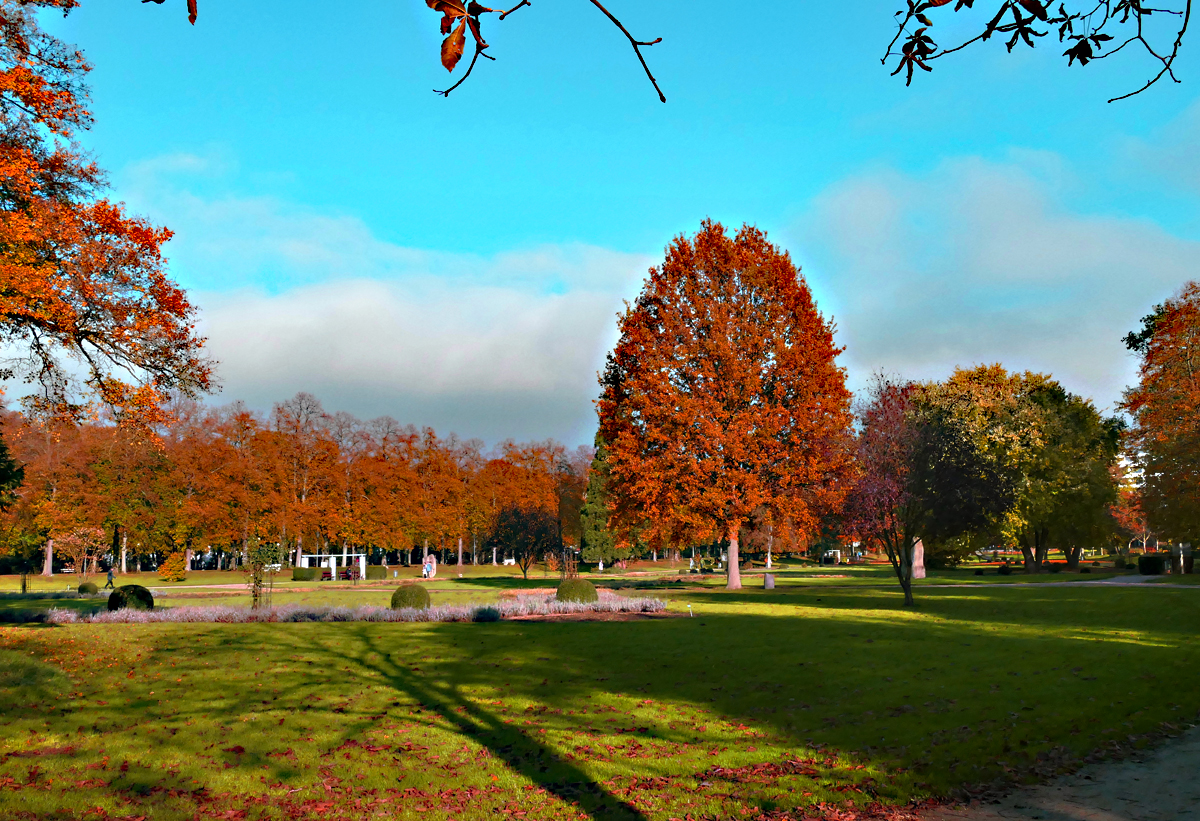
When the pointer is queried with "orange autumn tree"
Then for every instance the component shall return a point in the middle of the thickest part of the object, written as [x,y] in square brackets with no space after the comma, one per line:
[1165,406]
[86,308]
[723,398]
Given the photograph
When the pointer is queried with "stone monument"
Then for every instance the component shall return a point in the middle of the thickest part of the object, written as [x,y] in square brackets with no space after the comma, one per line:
[918,550]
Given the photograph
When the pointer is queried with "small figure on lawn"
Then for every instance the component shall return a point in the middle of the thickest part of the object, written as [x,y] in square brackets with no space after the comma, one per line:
[432,565]
[109,584]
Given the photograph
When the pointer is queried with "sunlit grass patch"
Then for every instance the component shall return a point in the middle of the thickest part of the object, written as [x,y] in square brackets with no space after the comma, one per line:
[763,701]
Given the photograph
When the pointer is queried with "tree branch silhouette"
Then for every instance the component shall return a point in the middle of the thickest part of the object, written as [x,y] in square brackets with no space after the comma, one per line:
[1085,26]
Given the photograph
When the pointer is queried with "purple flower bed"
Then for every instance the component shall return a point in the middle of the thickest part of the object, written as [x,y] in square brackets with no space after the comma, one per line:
[522,606]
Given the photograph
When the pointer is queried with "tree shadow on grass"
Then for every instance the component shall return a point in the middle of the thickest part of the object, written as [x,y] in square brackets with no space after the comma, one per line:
[971,679]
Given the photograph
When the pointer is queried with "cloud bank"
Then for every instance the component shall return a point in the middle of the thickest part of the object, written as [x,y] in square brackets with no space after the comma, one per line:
[979,262]
[292,300]
[972,262]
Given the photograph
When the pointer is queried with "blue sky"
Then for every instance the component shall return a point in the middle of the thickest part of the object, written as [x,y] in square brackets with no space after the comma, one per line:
[458,262]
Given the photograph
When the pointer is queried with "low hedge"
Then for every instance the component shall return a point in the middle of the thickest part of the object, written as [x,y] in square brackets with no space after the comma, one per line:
[306,574]
[132,596]
[577,590]
[1004,570]
[486,614]
[88,589]
[376,573]
[411,595]
[1152,564]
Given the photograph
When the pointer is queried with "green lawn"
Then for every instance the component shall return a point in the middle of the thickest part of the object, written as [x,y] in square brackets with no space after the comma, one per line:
[763,701]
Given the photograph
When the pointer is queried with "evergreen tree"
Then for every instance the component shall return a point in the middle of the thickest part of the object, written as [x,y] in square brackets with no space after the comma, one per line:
[599,543]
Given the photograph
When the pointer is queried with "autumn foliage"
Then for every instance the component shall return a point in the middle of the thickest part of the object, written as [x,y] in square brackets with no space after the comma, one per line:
[723,398]
[84,286]
[221,478]
[174,569]
[1165,406]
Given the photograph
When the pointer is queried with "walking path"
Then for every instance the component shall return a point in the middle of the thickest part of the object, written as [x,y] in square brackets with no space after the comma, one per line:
[1160,785]
[1115,581]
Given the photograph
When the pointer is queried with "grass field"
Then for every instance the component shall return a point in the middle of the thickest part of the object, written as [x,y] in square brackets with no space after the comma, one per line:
[764,701]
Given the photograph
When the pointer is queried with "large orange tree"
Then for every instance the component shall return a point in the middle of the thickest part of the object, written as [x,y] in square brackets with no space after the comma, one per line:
[1165,406]
[86,308]
[723,397]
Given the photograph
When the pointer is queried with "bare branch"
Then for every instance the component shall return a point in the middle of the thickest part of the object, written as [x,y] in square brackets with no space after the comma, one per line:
[474,58]
[504,14]
[637,47]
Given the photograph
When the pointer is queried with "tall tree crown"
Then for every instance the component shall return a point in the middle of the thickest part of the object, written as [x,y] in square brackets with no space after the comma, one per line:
[723,394]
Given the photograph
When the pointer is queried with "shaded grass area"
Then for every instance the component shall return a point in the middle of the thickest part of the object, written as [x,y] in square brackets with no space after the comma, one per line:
[764,701]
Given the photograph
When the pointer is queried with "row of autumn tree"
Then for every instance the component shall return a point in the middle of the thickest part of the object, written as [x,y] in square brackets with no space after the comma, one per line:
[215,479]
[725,414]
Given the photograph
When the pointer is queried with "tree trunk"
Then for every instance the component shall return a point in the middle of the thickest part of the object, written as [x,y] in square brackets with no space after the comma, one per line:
[493,557]
[770,543]
[474,551]
[1073,555]
[460,551]
[906,586]
[299,560]
[1042,547]
[1030,559]
[733,568]
[124,551]
[187,558]
[426,554]
[48,566]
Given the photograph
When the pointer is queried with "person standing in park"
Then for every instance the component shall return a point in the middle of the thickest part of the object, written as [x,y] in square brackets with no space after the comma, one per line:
[109,584]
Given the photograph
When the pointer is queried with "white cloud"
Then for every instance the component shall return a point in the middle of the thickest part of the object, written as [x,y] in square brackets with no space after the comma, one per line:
[491,346]
[973,262]
[977,262]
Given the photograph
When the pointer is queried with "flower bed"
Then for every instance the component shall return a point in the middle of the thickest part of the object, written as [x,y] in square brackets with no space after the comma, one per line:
[522,607]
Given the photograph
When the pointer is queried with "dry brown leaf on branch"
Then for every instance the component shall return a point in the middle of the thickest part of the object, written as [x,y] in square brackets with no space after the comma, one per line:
[453,45]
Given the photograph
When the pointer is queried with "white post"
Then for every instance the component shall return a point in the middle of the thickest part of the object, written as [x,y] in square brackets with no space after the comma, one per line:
[362,566]
[124,551]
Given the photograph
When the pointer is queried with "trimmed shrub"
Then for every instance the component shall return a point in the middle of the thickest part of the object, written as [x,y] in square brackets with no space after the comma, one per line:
[1095,564]
[1085,570]
[1005,570]
[979,572]
[411,595]
[1152,564]
[23,616]
[131,596]
[88,589]
[484,614]
[376,572]
[1119,562]
[577,590]
[305,574]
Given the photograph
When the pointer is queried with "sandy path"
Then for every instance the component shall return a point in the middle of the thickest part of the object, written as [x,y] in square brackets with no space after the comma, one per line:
[1163,784]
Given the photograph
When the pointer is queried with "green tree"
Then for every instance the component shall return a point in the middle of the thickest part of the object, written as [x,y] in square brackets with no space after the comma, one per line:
[1050,448]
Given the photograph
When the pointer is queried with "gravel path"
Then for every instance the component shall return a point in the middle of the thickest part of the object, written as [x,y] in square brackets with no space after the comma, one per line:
[1163,784]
